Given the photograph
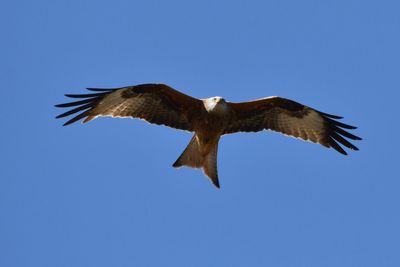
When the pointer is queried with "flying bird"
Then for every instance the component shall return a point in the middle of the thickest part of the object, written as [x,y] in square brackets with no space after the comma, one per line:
[210,118]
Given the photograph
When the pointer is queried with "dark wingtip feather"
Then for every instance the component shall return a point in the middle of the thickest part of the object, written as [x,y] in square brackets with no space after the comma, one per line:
[85,105]
[101,89]
[340,124]
[75,110]
[337,135]
[343,141]
[336,146]
[340,131]
[330,115]
[76,103]
[85,95]
[76,118]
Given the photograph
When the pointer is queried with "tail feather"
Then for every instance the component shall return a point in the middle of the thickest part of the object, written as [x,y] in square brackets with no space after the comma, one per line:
[210,165]
[199,155]
[191,156]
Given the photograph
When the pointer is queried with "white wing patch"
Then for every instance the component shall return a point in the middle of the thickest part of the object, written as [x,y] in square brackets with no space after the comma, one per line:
[310,127]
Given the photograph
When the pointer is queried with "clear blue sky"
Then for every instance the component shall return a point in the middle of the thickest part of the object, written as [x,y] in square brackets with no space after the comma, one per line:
[105,194]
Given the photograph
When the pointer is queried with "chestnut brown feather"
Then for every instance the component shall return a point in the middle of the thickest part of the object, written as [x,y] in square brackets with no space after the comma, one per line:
[210,118]
[293,119]
[155,103]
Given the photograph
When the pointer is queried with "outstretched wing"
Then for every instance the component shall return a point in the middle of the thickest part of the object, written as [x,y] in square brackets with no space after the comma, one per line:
[293,119]
[155,103]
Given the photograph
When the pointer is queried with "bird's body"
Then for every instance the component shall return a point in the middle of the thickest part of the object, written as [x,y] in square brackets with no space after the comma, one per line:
[208,128]
[210,118]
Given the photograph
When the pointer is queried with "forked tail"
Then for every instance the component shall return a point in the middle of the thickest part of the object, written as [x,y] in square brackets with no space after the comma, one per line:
[199,154]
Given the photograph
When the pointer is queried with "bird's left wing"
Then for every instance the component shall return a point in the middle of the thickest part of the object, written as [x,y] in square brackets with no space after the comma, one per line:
[290,118]
[155,103]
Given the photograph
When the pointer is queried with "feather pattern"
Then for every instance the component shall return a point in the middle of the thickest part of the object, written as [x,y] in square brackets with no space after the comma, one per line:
[155,103]
[210,118]
[292,119]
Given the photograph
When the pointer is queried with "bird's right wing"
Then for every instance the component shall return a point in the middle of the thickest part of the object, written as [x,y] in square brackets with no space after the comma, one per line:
[155,103]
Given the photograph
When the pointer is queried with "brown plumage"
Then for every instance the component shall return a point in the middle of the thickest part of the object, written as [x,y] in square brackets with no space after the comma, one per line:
[210,118]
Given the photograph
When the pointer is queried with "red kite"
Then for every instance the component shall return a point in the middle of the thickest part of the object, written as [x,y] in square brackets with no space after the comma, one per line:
[210,118]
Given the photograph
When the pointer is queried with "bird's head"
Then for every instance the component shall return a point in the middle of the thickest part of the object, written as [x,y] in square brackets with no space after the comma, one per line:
[215,104]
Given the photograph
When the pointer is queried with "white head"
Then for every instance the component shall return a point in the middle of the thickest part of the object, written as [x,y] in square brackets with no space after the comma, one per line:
[215,104]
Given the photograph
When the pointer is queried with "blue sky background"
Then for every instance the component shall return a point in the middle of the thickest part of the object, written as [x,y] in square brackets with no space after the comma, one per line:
[105,194]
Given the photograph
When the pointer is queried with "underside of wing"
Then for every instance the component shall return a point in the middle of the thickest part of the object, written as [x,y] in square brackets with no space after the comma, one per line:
[155,103]
[293,119]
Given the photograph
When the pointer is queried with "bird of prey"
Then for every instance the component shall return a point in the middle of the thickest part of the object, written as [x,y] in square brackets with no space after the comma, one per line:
[210,118]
